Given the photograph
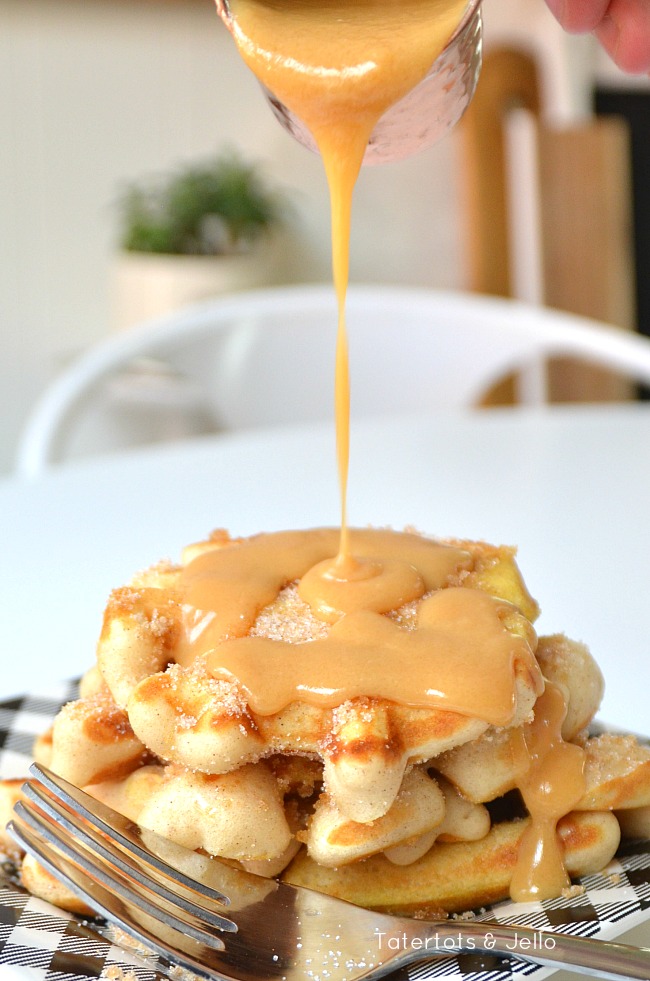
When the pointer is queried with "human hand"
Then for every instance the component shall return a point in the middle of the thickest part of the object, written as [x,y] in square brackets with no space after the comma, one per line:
[621,26]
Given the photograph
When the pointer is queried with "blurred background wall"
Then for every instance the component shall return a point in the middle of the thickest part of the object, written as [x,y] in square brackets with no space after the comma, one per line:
[95,93]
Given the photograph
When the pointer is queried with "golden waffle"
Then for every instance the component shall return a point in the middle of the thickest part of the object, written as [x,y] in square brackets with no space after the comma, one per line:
[332,839]
[569,665]
[424,810]
[92,741]
[238,815]
[455,877]
[617,774]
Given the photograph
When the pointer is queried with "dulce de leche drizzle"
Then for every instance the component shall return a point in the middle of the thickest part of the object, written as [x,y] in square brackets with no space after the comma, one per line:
[434,666]
[338,66]
[552,784]
[460,656]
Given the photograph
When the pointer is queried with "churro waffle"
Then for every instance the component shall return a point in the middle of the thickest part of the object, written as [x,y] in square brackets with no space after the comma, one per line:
[396,751]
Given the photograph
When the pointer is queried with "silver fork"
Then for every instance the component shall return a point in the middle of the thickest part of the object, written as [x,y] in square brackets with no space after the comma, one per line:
[203,915]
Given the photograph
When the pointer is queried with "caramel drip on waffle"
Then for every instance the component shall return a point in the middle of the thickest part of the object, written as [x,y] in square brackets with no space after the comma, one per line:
[460,657]
[552,785]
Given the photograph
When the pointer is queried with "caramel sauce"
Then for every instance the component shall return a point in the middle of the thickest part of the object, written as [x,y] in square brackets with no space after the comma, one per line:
[366,654]
[224,589]
[339,65]
[459,638]
[439,664]
[552,785]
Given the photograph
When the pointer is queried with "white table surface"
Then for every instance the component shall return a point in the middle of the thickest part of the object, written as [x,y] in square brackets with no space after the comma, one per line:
[569,486]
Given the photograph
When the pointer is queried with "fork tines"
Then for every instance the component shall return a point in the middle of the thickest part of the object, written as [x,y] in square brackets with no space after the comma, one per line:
[118,875]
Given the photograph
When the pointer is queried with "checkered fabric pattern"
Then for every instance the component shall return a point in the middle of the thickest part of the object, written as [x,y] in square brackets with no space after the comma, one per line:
[21,720]
[41,943]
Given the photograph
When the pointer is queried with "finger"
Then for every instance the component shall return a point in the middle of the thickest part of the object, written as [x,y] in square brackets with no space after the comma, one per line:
[625,34]
[578,16]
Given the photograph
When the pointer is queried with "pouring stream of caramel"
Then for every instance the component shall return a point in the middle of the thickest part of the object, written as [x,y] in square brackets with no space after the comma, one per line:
[339,66]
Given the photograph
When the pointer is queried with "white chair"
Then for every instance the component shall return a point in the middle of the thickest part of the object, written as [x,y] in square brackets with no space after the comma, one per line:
[267,358]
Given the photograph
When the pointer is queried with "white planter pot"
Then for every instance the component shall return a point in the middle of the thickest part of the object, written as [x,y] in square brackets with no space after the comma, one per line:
[147,286]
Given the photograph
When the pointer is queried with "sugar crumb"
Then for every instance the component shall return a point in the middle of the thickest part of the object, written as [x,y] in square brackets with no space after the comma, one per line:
[573,892]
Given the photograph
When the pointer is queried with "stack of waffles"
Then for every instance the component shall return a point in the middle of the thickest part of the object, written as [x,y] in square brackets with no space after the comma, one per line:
[399,807]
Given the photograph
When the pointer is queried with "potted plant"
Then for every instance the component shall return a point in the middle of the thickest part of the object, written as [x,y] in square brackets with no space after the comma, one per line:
[204,229]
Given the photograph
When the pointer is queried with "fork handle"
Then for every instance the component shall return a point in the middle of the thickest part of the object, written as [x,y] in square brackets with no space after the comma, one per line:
[597,958]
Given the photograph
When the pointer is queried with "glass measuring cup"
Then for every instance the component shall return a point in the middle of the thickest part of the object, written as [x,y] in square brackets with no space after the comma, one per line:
[427,112]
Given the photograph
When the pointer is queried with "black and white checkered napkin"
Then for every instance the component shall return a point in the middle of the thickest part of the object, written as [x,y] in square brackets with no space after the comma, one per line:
[41,943]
